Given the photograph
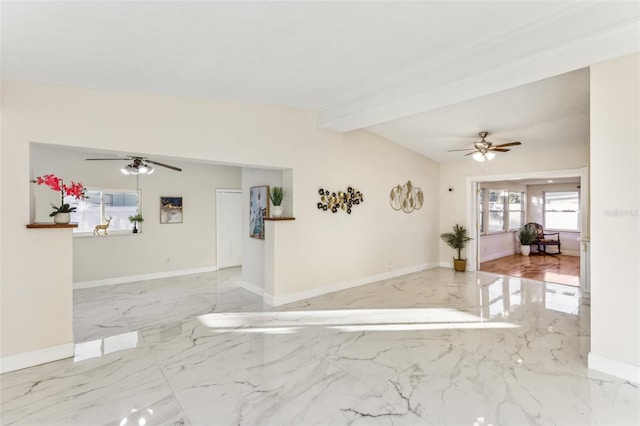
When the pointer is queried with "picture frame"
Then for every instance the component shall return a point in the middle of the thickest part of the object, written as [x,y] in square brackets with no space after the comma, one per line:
[258,210]
[171,210]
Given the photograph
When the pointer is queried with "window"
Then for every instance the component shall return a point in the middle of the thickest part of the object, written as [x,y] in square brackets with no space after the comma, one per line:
[516,212]
[496,210]
[562,210]
[505,210]
[118,205]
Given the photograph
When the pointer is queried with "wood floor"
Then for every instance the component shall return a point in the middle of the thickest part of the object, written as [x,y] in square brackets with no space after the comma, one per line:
[556,269]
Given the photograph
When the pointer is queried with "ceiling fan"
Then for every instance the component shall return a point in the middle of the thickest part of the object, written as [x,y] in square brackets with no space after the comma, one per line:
[486,150]
[138,165]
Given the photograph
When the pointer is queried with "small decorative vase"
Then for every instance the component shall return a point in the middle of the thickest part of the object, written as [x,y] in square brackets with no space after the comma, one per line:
[62,218]
[276,212]
[135,229]
[525,250]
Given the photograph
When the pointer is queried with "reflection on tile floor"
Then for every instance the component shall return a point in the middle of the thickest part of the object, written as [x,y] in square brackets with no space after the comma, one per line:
[430,348]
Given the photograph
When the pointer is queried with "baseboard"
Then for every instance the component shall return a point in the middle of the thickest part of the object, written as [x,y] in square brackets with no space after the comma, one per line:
[571,253]
[446,265]
[41,356]
[252,288]
[344,285]
[614,367]
[142,277]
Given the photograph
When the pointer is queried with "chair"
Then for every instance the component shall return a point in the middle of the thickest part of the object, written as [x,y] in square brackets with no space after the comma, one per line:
[544,239]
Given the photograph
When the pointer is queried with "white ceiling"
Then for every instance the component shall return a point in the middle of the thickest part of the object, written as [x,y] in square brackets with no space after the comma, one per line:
[410,71]
[548,114]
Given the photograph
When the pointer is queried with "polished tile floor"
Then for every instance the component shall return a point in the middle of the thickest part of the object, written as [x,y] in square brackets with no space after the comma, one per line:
[430,348]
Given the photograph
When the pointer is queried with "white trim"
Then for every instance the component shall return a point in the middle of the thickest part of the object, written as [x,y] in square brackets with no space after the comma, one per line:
[571,253]
[344,285]
[614,367]
[40,356]
[252,288]
[142,277]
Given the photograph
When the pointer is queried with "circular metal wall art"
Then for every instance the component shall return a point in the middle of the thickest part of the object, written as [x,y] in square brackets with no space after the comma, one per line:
[406,197]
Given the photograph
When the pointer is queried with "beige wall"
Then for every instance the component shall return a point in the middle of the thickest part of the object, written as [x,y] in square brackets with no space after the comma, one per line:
[324,248]
[615,217]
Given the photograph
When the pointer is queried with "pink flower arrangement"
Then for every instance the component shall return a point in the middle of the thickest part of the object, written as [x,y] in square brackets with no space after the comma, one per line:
[76,189]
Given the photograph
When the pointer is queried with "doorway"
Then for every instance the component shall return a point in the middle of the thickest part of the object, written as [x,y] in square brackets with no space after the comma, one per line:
[581,248]
[228,227]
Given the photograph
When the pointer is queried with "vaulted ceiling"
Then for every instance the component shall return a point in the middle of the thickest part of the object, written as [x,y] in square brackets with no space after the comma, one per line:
[427,75]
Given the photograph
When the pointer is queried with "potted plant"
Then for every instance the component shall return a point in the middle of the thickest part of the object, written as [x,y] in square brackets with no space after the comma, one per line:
[458,240]
[135,219]
[527,236]
[61,215]
[276,195]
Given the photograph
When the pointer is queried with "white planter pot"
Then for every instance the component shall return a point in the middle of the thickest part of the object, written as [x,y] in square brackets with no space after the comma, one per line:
[525,250]
[62,218]
[276,212]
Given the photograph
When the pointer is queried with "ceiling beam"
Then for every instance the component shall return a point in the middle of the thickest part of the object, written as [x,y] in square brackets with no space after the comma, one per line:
[586,34]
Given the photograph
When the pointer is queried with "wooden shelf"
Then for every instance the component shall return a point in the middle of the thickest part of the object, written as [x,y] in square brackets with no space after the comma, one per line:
[48,225]
[279,218]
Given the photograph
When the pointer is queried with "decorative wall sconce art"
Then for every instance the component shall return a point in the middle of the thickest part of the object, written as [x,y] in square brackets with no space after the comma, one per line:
[406,197]
[341,200]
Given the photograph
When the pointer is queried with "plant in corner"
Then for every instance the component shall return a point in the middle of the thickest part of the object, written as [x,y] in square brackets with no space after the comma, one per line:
[76,190]
[276,195]
[527,236]
[135,219]
[458,240]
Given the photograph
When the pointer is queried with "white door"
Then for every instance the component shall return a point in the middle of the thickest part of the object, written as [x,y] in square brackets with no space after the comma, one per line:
[229,227]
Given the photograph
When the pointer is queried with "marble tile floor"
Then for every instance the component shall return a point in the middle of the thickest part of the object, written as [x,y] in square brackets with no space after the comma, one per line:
[430,348]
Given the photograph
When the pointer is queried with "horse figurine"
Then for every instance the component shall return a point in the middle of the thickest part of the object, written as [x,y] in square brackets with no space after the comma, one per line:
[96,230]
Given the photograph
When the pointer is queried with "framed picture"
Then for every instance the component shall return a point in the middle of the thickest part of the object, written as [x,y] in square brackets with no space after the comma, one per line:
[170,209]
[258,210]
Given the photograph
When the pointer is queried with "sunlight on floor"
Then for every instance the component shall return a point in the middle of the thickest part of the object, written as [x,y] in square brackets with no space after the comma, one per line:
[348,320]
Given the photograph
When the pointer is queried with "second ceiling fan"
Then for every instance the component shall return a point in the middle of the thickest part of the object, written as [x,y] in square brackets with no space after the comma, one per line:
[486,150]
[138,165]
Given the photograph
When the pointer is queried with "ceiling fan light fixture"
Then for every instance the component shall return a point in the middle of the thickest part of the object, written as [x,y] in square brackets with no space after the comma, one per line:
[478,156]
[150,170]
[490,155]
[143,169]
[129,170]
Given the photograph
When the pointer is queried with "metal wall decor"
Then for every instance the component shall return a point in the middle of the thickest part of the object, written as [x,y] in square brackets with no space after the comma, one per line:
[406,197]
[342,200]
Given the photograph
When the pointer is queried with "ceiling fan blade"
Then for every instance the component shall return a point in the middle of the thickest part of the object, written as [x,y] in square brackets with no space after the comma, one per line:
[499,149]
[468,149]
[502,145]
[93,159]
[471,153]
[164,165]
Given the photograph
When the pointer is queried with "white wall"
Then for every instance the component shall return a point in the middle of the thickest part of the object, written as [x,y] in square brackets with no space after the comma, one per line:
[615,217]
[159,247]
[322,248]
[252,248]
[453,205]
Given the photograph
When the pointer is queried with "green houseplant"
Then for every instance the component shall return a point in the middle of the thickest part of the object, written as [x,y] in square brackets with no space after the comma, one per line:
[457,240]
[527,235]
[135,219]
[276,195]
